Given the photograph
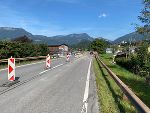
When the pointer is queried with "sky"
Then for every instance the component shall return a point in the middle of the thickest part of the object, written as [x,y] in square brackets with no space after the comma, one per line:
[109,19]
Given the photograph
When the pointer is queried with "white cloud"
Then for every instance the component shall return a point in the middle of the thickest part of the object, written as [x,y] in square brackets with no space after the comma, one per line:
[103,15]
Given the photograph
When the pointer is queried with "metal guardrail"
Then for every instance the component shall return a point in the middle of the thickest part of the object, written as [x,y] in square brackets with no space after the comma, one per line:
[27,58]
[139,105]
[22,59]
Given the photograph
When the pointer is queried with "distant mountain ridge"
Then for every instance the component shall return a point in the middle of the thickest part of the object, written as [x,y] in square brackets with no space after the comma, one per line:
[8,33]
[134,36]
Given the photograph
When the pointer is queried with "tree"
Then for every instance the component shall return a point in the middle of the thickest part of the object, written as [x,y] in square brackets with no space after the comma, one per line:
[99,45]
[83,45]
[145,19]
[142,53]
[22,39]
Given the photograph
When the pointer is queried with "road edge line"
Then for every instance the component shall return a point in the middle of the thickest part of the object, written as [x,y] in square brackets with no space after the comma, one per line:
[86,92]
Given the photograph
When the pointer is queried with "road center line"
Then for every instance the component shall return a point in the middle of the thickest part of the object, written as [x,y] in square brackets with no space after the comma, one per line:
[86,93]
[51,68]
[26,65]
[23,82]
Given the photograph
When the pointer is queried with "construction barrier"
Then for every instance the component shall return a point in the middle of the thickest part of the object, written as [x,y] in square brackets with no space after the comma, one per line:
[48,61]
[68,58]
[11,69]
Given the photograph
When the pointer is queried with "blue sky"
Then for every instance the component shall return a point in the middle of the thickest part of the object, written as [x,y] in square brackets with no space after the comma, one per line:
[99,18]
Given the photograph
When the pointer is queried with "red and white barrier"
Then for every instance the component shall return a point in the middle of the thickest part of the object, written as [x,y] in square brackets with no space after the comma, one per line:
[48,61]
[68,58]
[11,69]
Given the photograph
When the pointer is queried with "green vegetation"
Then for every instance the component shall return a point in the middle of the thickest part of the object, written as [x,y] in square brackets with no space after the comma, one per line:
[137,62]
[99,45]
[145,19]
[83,45]
[20,50]
[111,97]
[22,39]
[136,83]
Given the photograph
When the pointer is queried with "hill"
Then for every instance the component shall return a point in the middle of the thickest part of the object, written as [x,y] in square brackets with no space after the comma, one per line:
[8,33]
[129,37]
[70,39]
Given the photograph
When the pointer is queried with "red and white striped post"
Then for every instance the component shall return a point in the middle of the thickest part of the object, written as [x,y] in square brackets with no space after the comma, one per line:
[11,69]
[48,61]
[68,57]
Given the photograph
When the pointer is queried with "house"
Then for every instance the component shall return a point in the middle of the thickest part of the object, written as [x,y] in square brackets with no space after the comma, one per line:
[121,54]
[149,49]
[132,49]
[109,50]
[61,50]
[117,51]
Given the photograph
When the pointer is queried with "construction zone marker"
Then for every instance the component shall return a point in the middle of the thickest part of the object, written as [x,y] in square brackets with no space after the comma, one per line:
[48,61]
[68,58]
[11,69]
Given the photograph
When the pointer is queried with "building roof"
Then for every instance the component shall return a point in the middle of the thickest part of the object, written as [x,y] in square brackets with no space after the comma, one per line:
[108,49]
[57,45]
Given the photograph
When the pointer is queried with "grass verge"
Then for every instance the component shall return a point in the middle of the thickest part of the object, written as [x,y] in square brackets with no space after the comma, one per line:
[136,83]
[111,97]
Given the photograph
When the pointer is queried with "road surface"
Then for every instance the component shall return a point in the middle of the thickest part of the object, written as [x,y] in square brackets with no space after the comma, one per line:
[61,89]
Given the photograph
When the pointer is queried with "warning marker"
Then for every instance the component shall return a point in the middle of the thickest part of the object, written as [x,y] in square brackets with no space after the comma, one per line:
[11,69]
[68,57]
[48,61]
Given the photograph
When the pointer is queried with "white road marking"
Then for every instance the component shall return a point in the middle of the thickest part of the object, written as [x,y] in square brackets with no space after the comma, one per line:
[25,65]
[86,93]
[29,64]
[50,69]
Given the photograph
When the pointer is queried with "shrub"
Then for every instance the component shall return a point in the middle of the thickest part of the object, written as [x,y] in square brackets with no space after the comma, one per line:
[130,63]
[17,49]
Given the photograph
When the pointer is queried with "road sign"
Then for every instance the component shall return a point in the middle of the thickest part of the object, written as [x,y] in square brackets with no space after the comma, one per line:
[48,61]
[11,69]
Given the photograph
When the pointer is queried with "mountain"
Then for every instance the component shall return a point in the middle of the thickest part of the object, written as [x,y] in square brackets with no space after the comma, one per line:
[73,38]
[67,39]
[106,40]
[134,36]
[84,45]
[8,33]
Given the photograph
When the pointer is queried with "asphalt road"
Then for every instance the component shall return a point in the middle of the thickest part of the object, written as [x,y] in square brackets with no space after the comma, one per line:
[61,89]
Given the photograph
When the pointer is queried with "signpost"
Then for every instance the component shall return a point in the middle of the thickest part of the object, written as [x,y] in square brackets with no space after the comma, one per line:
[11,69]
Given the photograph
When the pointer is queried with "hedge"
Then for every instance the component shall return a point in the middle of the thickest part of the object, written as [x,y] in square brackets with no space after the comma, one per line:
[133,64]
[21,50]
